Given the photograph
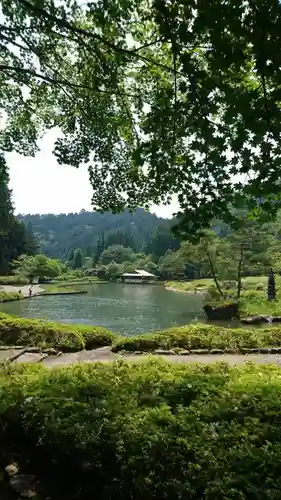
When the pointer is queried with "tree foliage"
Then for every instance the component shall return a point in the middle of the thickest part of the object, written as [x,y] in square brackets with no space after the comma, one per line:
[15,239]
[160,99]
[37,266]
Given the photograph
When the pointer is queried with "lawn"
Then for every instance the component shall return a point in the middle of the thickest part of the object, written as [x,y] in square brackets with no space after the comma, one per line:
[58,288]
[250,282]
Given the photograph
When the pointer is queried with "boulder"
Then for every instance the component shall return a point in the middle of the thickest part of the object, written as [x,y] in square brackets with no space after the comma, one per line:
[252,320]
[223,312]
[23,484]
[12,469]
[276,319]
[163,352]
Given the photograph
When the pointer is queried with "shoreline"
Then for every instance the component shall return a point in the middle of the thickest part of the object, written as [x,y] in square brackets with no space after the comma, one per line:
[189,292]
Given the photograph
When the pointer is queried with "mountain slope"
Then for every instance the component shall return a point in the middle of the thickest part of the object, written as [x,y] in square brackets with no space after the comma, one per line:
[58,234]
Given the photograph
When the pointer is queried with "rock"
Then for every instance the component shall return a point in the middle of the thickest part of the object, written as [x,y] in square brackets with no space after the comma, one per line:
[12,469]
[252,320]
[255,320]
[248,350]
[184,352]
[230,351]
[222,312]
[23,484]
[217,351]
[137,353]
[59,353]
[163,352]
[51,351]
[199,351]
[33,349]
[276,350]
[28,494]
[264,350]
[276,319]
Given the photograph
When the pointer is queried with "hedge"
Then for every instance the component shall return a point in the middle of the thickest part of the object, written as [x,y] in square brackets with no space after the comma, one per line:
[13,280]
[145,431]
[45,334]
[201,336]
[10,296]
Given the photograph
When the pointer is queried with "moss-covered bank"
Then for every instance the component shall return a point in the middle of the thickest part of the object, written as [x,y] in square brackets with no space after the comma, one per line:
[45,334]
[202,336]
[121,431]
[70,338]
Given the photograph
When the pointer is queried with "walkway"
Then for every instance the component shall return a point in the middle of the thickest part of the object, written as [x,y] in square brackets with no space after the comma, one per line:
[104,354]
[36,289]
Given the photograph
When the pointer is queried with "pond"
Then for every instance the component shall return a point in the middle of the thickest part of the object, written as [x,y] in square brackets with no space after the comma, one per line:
[126,309]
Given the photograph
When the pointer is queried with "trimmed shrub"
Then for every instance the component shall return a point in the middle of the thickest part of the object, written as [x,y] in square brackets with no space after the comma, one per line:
[10,296]
[149,430]
[13,280]
[44,334]
[200,336]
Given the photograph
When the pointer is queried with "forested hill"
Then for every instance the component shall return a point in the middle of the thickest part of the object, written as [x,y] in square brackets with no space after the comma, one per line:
[58,234]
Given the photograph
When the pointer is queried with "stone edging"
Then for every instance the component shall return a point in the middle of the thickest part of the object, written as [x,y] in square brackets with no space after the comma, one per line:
[242,350]
[25,349]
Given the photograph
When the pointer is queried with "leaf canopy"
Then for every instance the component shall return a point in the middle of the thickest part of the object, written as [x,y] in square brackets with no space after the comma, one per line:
[157,98]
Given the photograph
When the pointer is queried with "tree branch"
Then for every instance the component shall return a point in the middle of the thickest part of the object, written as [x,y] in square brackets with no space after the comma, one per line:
[54,81]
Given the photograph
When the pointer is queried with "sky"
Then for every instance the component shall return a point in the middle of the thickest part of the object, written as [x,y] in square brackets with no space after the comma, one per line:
[41,185]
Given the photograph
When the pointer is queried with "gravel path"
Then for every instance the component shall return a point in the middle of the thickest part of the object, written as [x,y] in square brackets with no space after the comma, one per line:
[105,355]
[36,289]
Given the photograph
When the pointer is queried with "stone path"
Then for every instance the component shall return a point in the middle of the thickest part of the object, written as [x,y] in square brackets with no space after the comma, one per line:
[104,354]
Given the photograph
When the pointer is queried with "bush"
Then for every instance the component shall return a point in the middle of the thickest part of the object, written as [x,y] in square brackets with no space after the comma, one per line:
[44,334]
[200,336]
[9,296]
[13,280]
[150,430]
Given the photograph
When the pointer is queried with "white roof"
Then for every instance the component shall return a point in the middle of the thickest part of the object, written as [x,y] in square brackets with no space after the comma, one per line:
[144,273]
[138,273]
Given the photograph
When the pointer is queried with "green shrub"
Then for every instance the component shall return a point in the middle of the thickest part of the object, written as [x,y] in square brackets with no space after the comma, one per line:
[44,334]
[146,431]
[13,280]
[200,336]
[9,296]
[254,302]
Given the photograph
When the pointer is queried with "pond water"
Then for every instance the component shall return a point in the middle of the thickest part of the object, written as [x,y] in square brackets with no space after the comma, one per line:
[126,309]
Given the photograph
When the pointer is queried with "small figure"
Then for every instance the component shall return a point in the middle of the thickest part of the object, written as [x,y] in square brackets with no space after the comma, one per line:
[30,290]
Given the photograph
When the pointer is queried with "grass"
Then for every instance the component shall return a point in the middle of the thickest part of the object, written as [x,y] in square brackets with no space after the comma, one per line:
[64,279]
[46,334]
[57,289]
[255,303]
[148,430]
[202,336]
[190,286]
[250,282]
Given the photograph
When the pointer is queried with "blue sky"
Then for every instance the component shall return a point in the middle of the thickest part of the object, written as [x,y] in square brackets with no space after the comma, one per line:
[40,185]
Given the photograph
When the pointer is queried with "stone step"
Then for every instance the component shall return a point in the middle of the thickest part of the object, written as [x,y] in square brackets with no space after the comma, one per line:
[31,357]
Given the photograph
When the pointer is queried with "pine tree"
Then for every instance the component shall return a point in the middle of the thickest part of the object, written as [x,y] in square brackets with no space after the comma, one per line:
[271,289]
[32,247]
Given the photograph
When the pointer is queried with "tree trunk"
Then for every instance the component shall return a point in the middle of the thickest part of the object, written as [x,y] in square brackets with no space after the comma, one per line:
[214,276]
[239,272]
[271,289]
